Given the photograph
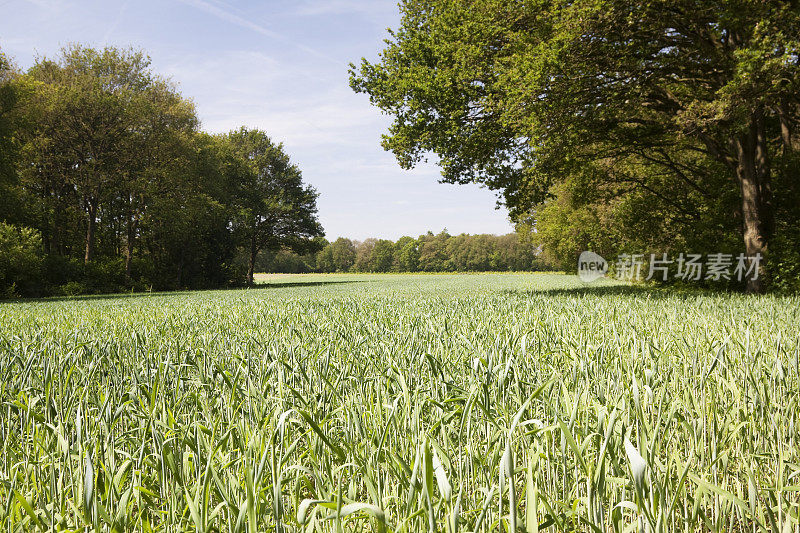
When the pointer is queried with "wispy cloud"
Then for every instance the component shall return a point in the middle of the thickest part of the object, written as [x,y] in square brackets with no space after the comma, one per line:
[308,110]
[47,4]
[110,31]
[225,12]
[311,8]
[231,15]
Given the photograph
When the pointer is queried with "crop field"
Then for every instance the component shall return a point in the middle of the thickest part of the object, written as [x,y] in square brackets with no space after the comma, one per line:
[402,403]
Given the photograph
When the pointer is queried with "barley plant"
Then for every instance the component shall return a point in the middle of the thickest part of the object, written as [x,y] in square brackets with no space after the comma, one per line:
[402,404]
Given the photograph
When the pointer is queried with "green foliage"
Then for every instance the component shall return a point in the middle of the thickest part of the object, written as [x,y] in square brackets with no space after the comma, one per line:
[8,147]
[433,252]
[407,254]
[343,255]
[785,250]
[429,253]
[444,253]
[275,209]
[20,260]
[108,165]
[289,262]
[683,113]
[484,403]
[382,257]
[586,214]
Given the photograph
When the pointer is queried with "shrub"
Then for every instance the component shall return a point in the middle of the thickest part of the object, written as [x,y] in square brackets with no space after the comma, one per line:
[20,261]
[73,288]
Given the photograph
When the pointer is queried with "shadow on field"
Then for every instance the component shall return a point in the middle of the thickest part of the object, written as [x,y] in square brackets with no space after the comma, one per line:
[648,293]
[121,295]
[287,284]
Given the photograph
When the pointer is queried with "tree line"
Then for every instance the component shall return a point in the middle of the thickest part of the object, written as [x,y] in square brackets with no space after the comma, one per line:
[441,252]
[107,183]
[662,126]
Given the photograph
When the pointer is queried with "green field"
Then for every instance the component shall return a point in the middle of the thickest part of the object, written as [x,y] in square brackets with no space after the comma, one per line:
[402,403]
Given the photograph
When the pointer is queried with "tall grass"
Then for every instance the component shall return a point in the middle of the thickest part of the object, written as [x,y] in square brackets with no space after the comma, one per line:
[402,403]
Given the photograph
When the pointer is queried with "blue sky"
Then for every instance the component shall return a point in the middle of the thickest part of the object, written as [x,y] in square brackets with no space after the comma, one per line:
[280,66]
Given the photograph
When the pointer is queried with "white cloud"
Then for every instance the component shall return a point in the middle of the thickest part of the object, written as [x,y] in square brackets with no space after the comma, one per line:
[114,25]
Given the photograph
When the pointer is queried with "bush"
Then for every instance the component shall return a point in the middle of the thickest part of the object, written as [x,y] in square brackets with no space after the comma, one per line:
[783,263]
[104,275]
[73,288]
[20,261]
[58,270]
[70,277]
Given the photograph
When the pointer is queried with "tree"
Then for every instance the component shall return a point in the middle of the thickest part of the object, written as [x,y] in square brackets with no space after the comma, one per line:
[275,208]
[185,216]
[433,252]
[343,255]
[611,218]
[382,257]
[99,123]
[104,160]
[516,253]
[325,262]
[406,254]
[363,262]
[519,96]
[443,253]
[8,104]
[160,145]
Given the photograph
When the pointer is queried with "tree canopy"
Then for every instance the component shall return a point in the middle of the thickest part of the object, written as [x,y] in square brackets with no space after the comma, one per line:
[275,209]
[104,165]
[687,108]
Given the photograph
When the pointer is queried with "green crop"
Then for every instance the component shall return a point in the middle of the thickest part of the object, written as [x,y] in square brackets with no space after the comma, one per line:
[448,403]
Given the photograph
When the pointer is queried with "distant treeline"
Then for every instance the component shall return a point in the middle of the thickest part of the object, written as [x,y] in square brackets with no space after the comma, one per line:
[108,184]
[426,253]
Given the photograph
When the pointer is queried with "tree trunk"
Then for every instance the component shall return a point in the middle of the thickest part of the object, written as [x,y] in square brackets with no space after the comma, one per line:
[786,130]
[48,226]
[753,175]
[91,208]
[58,223]
[252,263]
[179,276]
[129,247]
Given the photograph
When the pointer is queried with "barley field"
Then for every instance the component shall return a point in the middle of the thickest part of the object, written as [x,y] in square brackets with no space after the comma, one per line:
[402,403]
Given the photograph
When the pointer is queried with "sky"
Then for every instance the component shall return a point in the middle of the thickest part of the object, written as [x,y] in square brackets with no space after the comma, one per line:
[281,66]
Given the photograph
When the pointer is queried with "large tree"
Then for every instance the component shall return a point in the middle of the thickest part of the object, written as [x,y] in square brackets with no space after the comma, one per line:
[520,95]
[343,254]
[275,208]
[8,104]
[99,124]
[159,153]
